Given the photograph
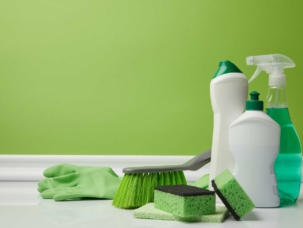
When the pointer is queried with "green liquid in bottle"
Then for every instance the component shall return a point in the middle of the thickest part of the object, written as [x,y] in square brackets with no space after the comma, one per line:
[289,160]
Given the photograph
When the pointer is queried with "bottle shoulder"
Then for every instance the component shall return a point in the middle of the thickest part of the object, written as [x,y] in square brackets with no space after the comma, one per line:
[255,116]
[229,77]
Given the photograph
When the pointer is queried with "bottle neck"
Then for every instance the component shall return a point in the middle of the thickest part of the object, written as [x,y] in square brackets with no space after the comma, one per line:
[276,97]
[276,105]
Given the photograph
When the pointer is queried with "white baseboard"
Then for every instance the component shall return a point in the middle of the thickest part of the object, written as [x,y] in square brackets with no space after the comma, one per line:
[31,167]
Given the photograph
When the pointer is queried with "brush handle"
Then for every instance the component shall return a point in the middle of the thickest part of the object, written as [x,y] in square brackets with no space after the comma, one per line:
[193,164]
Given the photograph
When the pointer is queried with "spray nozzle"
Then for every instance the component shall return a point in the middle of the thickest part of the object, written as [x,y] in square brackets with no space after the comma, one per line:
[273,65]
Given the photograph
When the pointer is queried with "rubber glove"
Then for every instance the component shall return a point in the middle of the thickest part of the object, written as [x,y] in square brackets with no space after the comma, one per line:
[66,181]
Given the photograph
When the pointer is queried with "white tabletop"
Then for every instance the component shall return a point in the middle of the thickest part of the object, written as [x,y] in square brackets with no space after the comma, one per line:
[21,206]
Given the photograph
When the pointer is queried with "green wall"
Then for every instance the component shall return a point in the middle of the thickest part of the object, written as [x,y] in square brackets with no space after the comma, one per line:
[131,77]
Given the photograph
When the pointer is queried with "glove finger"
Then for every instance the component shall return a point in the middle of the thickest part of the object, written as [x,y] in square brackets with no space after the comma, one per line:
[40,189]
[70,193]
[44,185]
[69,180]
[50,193]
[59,170]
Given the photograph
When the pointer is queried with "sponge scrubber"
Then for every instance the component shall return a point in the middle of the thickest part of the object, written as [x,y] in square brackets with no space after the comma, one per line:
[232,194]
[184,200]
[148,211]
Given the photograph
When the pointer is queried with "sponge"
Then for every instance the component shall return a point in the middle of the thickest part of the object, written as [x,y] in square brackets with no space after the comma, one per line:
[184,200]
[148,211]
[232,194]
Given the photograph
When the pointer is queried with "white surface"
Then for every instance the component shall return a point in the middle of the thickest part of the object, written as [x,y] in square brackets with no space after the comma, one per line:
[255,142]
[22,207]
[228,95]
[30,167]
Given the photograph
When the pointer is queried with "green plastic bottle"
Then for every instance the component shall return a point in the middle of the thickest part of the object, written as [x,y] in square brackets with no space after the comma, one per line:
[288,164]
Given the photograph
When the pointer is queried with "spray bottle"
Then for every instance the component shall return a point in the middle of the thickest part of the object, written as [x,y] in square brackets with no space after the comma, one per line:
[228,93]
[288,164]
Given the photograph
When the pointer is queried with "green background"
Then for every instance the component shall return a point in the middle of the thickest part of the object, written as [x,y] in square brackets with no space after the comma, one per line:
[131,77]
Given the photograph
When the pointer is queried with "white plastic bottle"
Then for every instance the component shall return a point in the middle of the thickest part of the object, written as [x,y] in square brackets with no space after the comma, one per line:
[228,93]
[254,142]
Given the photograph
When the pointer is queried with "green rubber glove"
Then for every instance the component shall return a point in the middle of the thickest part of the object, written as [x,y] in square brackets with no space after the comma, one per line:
[66,181]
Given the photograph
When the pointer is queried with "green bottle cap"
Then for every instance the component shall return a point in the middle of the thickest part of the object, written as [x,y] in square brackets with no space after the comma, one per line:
[226,67]
[254,103]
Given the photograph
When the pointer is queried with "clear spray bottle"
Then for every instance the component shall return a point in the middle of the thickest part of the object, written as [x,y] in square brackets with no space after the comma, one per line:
[288,164]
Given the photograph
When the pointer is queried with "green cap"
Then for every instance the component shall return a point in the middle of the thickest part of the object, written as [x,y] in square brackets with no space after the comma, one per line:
[226,67]
[254,103]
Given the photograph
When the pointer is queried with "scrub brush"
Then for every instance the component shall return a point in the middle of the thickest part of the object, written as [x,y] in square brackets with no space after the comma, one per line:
[138,184]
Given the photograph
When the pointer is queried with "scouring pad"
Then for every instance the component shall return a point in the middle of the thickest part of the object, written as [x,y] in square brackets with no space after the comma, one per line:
[184,200]
[149,211]
[232,194]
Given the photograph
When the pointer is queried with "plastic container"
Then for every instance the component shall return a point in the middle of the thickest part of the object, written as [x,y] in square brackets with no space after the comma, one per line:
[288,165]
[254,143]
[228,93]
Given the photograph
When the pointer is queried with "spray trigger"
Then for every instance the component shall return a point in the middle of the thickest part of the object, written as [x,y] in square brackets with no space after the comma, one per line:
[273,65]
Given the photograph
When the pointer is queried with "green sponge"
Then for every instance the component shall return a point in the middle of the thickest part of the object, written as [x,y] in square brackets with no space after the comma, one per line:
[148,211]
[184,200]
[232,194]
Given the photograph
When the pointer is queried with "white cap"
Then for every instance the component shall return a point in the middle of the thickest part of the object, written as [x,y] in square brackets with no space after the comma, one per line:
[277,80]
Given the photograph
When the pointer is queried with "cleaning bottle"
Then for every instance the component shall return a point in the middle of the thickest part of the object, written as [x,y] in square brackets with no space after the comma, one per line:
[228,93]
[254,140]
[288,165]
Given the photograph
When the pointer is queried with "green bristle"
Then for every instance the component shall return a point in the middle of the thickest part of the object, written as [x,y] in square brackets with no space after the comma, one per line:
[173,180]
[167,178]
[141,192]
[119,199]
[161,180]
[145,189]
[137,200]
[150,188]
[154,183]
[177,177]
[128,196]
[182,178]
[137,189]
[155,180]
